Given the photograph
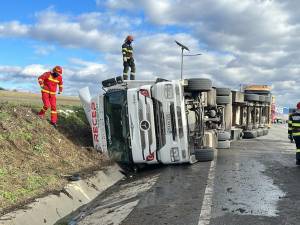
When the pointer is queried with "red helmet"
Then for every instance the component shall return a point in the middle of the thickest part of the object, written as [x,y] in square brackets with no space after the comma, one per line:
[129,38]
[58,69]
[298,105]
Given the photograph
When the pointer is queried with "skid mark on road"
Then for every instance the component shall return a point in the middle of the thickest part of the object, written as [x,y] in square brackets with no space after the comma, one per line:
[205,214]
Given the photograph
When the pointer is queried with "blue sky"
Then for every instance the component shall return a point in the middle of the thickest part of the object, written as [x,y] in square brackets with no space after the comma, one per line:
[243,42]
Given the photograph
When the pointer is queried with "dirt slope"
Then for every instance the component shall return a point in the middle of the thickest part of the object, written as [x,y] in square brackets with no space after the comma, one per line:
[36,158]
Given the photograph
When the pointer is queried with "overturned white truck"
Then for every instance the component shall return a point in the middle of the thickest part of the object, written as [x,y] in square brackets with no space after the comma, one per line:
[161,121]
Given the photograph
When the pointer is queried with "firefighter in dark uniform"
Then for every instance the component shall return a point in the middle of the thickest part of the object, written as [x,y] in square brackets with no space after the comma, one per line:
[128,60]
[294,130]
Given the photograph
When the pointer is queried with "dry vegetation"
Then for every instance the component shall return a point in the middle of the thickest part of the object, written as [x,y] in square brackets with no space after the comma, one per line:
[30,98]
[35,157]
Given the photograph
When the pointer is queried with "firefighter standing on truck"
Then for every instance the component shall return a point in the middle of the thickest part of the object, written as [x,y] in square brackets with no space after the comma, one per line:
[128,60]
[48,82]
[294,130]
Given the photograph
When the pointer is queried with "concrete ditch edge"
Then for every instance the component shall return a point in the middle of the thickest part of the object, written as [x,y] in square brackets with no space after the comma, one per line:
[52,208]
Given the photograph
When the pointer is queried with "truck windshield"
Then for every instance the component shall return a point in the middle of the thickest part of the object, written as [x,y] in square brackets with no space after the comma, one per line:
[117,126]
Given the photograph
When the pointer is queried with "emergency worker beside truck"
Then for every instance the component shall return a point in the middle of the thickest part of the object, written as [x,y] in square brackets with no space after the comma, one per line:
[128,61]
[294,130]
[48,82]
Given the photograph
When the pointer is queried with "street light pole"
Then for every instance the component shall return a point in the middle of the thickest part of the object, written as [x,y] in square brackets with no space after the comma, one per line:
[183,47]
[181,64]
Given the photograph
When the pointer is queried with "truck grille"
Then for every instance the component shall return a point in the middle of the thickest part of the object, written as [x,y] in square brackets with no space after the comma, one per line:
[142,133]
[150,130]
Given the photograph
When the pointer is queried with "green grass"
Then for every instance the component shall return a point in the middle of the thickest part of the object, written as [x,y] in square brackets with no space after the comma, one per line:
[4,116]
[2,137]
[3,173]
[38,148]
[26,170]
[34,183]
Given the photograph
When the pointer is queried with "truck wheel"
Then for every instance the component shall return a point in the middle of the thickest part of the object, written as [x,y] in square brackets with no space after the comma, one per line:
[223,136]
[260,132]
[250,134]
[109,82]
[265,131]
[261,92]
[223,144]
[262,98]
[251,97]
[223,100]
[199,84]
[223,91]
[205,154]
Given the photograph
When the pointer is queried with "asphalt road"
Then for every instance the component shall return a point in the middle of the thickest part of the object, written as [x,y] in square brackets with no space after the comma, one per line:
[254,182]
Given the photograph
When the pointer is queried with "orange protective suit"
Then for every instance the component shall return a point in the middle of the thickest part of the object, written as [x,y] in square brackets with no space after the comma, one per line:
[48,82]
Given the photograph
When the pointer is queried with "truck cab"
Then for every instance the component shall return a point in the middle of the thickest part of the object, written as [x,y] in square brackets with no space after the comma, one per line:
[149,122]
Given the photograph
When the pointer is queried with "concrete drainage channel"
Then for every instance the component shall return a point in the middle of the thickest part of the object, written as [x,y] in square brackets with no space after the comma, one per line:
[50,209]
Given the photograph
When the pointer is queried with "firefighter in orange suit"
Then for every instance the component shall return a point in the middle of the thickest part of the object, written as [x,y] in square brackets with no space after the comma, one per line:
[48,82]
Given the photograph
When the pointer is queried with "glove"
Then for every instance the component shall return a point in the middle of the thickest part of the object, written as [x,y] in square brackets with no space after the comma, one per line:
[124,59]
[42,86]
[59,93]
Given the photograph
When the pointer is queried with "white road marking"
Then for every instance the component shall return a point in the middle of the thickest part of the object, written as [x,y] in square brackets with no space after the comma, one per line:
[205,213]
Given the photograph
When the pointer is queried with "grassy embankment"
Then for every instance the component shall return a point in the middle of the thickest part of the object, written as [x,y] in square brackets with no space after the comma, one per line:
[36,158]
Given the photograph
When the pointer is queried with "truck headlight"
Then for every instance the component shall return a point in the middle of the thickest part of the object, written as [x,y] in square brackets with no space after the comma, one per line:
[168,89]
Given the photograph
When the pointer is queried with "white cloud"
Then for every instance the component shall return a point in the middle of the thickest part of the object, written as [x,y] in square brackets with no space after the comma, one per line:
[248,41]
[56,28]
[43,50]
[13,28]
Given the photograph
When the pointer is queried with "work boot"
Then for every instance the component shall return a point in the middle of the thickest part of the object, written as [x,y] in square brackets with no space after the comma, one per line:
[132,77]
[53,124]
[125,77]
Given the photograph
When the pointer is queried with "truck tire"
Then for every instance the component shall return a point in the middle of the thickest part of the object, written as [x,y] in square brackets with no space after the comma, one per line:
[223,136]
[205,154]
[223,100]
[265,131]
[261,92]
[260,132]
[250,134]
[223,144]
[199,84]
[223,91]
[252,97]
[109,82]
[262,98]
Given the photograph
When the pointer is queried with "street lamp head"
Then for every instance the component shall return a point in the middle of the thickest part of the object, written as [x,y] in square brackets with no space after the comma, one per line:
[193,54]
[182,46]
